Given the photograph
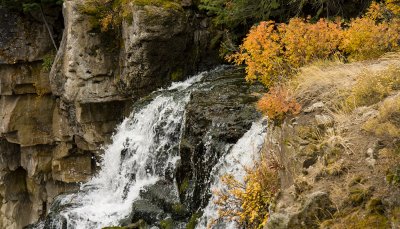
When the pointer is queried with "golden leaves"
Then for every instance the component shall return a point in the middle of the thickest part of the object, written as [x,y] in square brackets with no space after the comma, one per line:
[248,203]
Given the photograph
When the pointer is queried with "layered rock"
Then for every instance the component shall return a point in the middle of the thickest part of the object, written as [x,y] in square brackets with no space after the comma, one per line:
[53,124]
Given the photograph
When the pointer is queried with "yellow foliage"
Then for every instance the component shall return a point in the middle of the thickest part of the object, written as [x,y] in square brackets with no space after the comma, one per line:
[262,52]
[367,39]
[248,203]
[307,42]
[385,10]
[393,6]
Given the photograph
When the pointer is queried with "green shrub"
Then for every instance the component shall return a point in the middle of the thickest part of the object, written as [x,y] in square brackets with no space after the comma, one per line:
[48,60]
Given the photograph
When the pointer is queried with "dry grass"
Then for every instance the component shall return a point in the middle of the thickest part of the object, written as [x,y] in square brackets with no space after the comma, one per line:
[342,145]
[371,87]
[387,123]
[324,77]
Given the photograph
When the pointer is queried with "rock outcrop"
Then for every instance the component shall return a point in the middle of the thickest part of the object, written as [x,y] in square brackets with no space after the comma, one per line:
[53,123]
[215,120]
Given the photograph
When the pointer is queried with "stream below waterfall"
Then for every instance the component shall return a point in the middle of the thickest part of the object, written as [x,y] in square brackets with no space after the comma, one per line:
[162,163]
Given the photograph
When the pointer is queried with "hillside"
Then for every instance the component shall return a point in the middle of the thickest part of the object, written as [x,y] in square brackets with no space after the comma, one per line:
[340,161]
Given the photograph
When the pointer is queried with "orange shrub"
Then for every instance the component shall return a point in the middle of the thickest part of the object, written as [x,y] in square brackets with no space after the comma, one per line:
[262,52]
[277,103]
[367,39]
[306,42]
[272,52]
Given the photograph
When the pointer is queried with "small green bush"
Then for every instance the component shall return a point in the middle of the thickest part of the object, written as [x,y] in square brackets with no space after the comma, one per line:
[48,62]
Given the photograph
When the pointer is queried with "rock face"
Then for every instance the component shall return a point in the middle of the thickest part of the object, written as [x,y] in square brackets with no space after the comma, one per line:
[215,120]
[216,117]
[53,123]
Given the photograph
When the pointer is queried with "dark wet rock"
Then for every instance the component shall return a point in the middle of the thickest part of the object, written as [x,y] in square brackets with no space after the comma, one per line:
[215,119]
[163,193]
[145,210]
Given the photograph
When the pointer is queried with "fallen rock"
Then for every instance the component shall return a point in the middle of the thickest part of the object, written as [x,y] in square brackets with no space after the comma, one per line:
[324,121]
[314,107]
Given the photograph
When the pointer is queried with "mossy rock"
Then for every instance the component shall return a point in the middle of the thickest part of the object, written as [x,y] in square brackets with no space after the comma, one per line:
[374,221]
[167,224]
[179,210]
[177,75]
[114,228]
[184,186]
[357,220]
[194,220]
[393,177]
[167,4]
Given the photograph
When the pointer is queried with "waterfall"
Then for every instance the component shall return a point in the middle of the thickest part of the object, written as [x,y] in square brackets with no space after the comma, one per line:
[240,156]
[145,150]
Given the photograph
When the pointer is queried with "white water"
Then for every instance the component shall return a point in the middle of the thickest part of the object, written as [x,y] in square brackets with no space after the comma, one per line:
[143,148]
[242,155]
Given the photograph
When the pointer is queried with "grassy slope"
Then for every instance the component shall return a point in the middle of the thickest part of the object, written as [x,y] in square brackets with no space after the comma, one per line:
[349,163]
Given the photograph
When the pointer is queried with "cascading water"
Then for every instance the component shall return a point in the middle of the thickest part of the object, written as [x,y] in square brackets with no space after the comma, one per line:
[146,149]
[240,156]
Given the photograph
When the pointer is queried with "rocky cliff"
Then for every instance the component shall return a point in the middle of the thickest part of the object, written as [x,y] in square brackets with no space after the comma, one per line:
[54,120]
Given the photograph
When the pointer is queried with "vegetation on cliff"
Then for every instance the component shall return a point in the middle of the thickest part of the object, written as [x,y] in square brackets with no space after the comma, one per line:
[254,196]
[236,17]
[279,56]
[109,14]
